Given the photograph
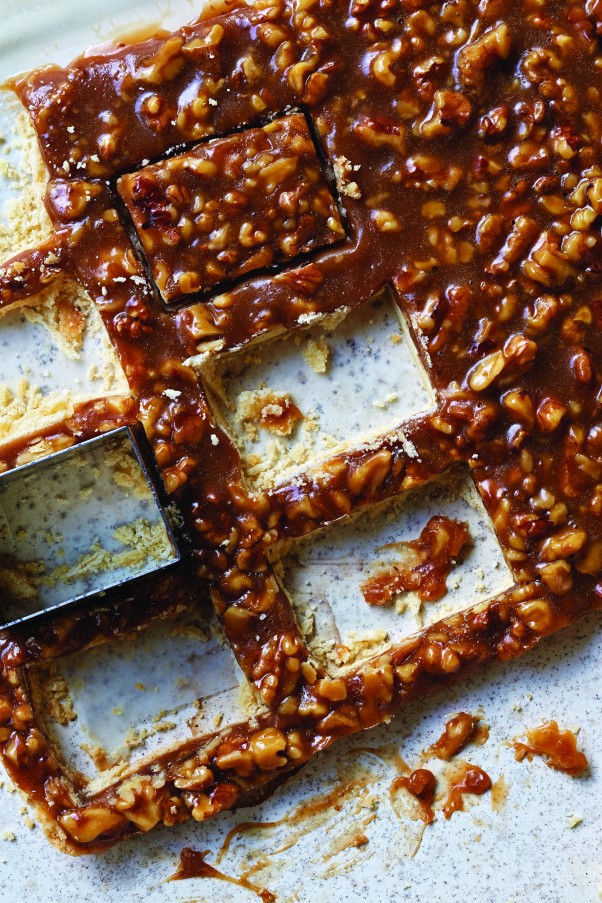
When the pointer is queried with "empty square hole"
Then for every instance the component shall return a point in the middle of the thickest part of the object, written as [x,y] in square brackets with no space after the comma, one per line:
[77,523]
[54,354]
[324,574]
[294,401]
[112,707]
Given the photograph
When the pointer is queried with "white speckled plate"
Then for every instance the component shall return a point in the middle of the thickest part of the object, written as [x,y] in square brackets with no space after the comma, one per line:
[522,850]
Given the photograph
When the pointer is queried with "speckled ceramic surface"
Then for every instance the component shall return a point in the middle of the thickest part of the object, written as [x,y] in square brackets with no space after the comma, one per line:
[517,845]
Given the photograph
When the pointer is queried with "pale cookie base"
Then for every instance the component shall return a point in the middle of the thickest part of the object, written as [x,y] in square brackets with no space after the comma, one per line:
[24,221]
[33,394]
[30,401]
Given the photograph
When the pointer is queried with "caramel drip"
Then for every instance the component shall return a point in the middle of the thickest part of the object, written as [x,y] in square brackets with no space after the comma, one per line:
[193,865]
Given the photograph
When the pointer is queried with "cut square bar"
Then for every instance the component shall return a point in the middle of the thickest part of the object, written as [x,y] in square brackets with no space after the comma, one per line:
[232,206]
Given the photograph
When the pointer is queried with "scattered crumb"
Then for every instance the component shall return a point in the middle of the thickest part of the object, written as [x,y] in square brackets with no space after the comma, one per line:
[317,355]
[574,820]
[27,819]
[142,542]
[342,169]
[50,690]
[7,835]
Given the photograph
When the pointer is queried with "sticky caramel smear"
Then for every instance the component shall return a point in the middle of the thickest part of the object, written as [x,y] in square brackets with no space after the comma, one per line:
[193,865]
[459,730]
[481,734]
[300,814]
[352,838]
[499,793]
[388,754]
[558,748]
[434,552]
[421,784]
[136,35]
[473,780]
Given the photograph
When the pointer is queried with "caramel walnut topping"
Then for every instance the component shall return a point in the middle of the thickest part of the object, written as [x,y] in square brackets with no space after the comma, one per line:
[464,140]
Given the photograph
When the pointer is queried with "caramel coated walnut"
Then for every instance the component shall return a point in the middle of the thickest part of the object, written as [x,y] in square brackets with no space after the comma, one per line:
[232,206]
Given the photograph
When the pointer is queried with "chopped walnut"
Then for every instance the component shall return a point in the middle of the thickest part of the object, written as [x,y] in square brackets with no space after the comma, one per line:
[476,59]
[433,554]
[459,731]
[272,411]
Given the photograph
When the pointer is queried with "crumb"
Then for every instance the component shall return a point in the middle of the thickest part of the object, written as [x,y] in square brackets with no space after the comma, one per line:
[342,168]
[214,439]
[272,411]
[574,820]
[7,835]
[317,355]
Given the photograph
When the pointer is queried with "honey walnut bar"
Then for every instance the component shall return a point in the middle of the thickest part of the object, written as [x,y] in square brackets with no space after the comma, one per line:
[232,206]
[466,143]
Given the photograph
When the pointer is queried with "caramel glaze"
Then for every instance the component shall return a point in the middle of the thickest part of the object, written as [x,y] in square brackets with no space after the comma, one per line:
[479,214]
[299,814]
[91,418]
